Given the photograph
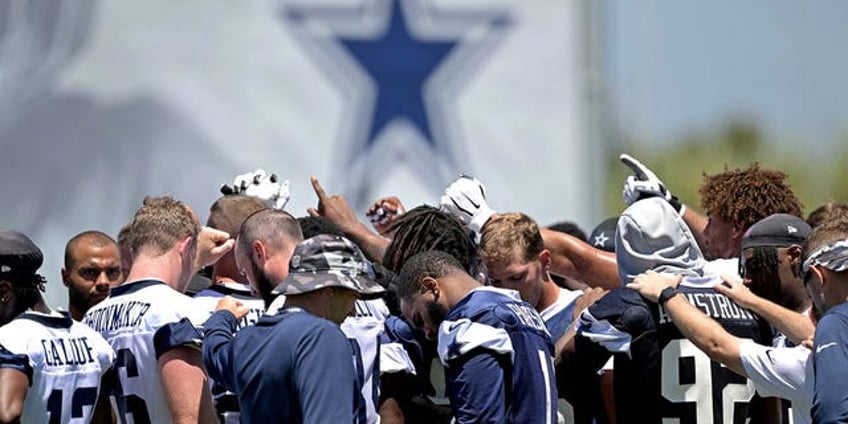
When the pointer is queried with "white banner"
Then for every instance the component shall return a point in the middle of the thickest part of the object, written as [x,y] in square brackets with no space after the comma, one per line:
[102,103]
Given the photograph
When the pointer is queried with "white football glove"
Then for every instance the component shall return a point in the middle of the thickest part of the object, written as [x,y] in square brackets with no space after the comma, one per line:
[261,185]
[465,199]
[644,183]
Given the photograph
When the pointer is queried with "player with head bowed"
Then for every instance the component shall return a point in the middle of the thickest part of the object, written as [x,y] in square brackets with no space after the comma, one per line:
[152,325]
[300,368]
[496,349]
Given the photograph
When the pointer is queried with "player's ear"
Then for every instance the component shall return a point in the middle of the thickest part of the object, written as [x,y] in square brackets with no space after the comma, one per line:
[66,277]
[429,284]
[545,258]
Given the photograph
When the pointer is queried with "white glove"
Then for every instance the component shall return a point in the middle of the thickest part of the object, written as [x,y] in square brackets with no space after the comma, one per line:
[644,183]
[261,185]
[465,199]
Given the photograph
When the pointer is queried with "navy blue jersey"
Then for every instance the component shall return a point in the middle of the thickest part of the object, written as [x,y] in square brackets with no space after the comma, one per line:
[660,376]
[291,367]
[498,357]
[830,356]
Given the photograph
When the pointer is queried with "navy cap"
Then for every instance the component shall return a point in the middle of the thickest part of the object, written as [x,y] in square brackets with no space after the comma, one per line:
[603,236]
[779,230]
[18,254]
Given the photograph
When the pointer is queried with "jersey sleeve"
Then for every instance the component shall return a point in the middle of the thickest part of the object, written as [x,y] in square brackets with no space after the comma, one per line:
[616,320]
[831,382]
[217,348]
[478,387]
[324,356]
[176,334]
[15,361]
[398,347]
[779,372]
[458,338]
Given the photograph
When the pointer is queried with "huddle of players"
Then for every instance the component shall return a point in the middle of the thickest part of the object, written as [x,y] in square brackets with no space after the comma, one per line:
[510,347]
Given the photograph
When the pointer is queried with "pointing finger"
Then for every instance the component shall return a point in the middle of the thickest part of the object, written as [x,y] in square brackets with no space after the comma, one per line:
[318,189]
[635,165]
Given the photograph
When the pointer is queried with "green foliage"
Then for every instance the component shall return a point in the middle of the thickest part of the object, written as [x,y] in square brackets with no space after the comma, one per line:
[682,165]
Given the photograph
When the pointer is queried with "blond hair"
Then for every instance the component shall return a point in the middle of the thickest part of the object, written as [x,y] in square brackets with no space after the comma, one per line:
[508,232]
[160,223]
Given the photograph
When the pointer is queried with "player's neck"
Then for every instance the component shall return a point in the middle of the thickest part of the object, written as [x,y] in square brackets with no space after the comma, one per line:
[457,287]
[550,294]
[167,268]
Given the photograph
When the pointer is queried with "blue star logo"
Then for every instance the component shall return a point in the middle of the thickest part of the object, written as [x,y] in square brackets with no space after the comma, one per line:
[398,62]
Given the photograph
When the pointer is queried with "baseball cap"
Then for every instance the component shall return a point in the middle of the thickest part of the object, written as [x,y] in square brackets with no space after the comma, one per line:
[780,229]
[18,254]
[603,236]
[329,261]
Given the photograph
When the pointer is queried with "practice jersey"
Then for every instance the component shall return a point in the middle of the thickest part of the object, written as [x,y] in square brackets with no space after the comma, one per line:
[660,376]
[830,357]
[64,362]
[142,320]
[559,315]
[499,360]
[363,330]
[290,367]
[226,402]
[784,372]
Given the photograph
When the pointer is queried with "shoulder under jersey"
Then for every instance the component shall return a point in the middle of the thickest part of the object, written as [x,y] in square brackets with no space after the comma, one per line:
[663,374]
[499,322]
[142,320]
[64,361]
[363,329]
[208,298]
[559,315]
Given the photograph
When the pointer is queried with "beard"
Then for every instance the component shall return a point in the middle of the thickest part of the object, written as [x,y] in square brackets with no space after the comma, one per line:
[264,285]
[436,312]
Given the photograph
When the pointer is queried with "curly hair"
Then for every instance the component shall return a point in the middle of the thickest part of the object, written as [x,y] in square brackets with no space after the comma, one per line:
[826,212]
[742,197]
[426,228]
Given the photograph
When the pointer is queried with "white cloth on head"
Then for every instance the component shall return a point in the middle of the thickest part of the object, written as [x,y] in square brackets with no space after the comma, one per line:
[651,236]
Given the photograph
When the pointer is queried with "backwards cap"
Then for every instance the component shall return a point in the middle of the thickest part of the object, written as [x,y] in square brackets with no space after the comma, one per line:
[18,254]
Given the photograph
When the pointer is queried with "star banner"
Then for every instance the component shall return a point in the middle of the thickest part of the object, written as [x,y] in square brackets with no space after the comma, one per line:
[106,102]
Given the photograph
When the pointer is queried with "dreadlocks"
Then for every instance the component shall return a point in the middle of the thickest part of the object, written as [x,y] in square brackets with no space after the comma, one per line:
[426,228]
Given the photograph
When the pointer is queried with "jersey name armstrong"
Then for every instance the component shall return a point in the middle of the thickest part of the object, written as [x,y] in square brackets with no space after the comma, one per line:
[715,305]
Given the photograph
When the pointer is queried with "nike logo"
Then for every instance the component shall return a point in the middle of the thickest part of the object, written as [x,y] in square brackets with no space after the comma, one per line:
[825,346]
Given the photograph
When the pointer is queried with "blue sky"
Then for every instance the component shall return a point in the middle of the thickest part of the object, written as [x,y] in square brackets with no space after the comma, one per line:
[677,67]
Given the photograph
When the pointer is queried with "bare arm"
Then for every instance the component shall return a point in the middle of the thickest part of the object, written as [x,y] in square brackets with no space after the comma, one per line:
[572,257]
[337,210]
[707,334]
[103,409]
[696,223]
[13,389]
[185,386]
[796,326]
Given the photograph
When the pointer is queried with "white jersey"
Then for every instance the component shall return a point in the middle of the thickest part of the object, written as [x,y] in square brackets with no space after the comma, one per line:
[226,402]
[364,329]
[207,300]
[784,372]
[723,267]
[558,316]
[142,320]
[64,361]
